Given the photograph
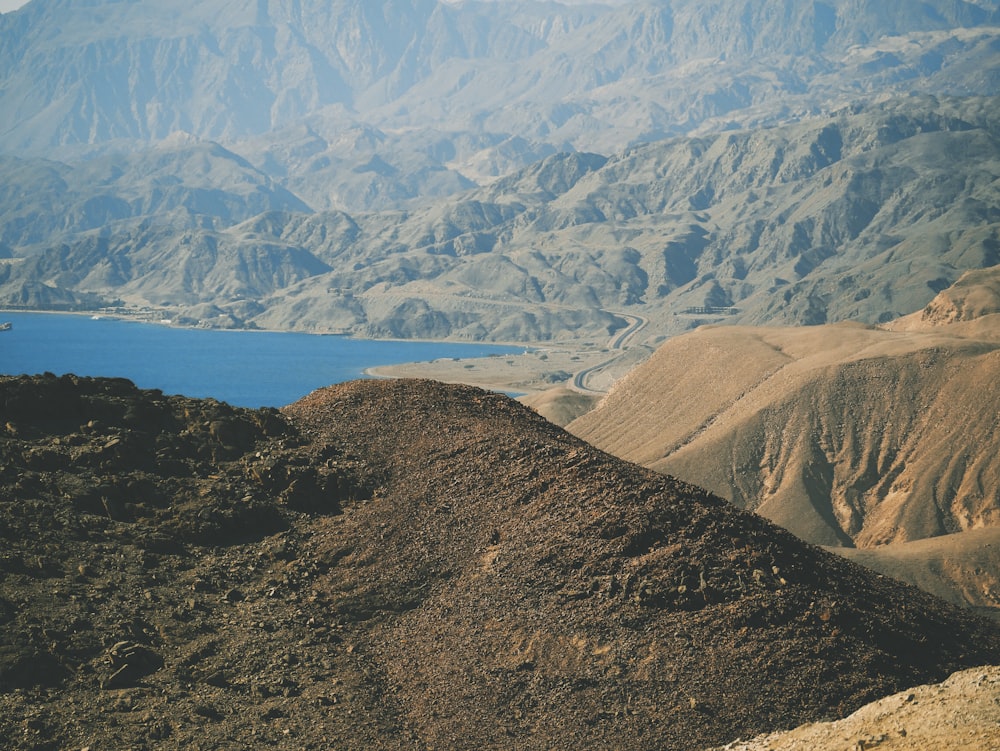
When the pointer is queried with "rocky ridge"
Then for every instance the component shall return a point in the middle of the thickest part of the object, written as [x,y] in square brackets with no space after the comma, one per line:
[404,564]
[862,214]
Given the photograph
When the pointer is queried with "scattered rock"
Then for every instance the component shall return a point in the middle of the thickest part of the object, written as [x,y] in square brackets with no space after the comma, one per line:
[468,577]
[130,663]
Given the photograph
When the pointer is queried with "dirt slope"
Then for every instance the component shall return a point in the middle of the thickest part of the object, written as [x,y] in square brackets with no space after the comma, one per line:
[843,434]
[404,564]
[963,568]
[960,714]
[969,308]
[560,405]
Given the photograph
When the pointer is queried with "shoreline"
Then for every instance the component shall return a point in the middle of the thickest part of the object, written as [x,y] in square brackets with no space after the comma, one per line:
[539,366]
[170,323]
[539,369]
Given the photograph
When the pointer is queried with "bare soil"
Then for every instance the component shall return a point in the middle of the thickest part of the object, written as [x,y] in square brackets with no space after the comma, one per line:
[406,564]
[959,714]
[846,435]
[533,372]
[963,568]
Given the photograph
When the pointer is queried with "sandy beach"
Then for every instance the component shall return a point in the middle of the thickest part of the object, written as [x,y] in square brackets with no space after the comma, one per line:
[539,369]
[560,382]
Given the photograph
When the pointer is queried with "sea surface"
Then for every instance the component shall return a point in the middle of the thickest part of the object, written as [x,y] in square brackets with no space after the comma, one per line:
[243,368]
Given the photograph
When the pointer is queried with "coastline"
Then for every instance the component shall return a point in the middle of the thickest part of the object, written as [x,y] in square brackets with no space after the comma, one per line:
[537,369]
[171,323]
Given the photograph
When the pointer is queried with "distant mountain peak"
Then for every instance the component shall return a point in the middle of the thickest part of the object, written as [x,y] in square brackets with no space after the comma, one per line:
[179,138]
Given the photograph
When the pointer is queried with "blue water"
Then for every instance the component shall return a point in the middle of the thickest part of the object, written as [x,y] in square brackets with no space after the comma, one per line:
[244,368]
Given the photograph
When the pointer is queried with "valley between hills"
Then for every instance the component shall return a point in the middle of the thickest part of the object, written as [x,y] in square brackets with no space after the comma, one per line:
[845,434]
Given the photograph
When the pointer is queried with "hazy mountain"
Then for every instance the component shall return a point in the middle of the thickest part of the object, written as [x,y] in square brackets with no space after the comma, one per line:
[180,184]
[93,73]
[496,170]
[177,572]
[86,74]
[862,214]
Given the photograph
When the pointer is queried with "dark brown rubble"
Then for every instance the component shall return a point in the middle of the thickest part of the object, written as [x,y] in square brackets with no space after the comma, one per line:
[404,564]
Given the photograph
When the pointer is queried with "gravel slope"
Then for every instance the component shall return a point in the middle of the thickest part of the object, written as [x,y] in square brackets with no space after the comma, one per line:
[409,565]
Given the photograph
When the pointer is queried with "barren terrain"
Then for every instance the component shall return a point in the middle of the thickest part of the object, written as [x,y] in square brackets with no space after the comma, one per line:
[406,564]
[538,370]
[496,171]
[963,568]
[845,434]
[960,714]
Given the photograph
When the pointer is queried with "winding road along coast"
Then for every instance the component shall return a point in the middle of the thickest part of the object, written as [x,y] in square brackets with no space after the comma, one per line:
[619,342]
[538,369]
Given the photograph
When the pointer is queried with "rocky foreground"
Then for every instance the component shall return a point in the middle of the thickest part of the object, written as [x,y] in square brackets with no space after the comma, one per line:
[960,714]
[404,564]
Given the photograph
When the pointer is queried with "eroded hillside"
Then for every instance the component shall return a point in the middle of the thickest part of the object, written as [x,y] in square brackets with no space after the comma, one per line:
[862,214]
[843,434]
[846,434]
[404,564]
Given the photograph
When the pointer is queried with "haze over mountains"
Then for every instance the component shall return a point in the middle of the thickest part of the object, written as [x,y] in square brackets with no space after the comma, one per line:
[225,71]
[506,171]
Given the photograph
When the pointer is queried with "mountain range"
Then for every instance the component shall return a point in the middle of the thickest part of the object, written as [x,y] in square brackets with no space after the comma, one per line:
[508,171]
[82,75]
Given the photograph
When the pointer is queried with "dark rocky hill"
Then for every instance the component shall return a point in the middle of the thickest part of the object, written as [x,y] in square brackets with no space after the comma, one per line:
[404,564]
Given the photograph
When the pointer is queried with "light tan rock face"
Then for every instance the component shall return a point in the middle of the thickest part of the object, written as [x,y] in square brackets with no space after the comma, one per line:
[963,568]
[845,435]
[960,714]
[974,295]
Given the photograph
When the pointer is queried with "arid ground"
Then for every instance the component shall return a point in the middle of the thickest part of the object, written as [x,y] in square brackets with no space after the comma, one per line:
[405,564]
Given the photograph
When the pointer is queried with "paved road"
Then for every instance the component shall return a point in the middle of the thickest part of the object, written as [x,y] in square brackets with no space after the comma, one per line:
[618,342]
[621,339]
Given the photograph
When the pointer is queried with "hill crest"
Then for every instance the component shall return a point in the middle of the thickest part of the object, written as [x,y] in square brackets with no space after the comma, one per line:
[390,562]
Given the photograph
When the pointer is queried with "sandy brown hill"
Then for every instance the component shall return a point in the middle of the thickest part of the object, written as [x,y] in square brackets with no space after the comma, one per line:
[845,435]
[963,568]
[960,714]
[404,564]
[970,307]
[560,405]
